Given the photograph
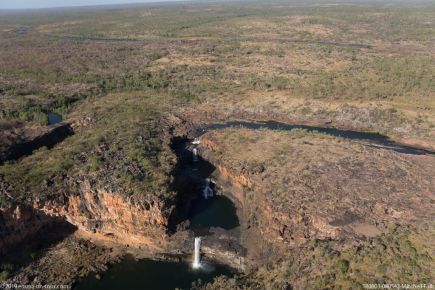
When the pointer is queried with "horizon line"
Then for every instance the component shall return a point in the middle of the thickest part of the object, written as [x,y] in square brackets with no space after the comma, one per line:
[96,5]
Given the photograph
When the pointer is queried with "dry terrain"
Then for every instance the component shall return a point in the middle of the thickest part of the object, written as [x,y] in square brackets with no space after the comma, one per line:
[316,211]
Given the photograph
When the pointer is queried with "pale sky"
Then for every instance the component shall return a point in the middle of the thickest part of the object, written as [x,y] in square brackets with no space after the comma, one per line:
[23,4]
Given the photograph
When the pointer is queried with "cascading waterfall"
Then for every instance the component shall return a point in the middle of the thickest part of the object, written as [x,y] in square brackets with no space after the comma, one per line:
[195,154]
[207,191]
[197,254]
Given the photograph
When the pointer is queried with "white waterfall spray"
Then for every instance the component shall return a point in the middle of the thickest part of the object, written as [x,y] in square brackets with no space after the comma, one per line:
[207,191]
[197,254]
[195,154]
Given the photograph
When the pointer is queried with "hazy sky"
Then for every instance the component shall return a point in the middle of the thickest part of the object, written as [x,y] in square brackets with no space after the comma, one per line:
[19,4]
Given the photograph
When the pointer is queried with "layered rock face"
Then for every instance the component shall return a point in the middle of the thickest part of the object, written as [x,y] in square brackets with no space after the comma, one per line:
[102,214]
[114,217]
[118,200]
[294,187]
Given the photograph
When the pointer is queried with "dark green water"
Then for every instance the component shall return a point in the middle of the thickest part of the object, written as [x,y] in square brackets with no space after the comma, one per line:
[218,211]
[150,275]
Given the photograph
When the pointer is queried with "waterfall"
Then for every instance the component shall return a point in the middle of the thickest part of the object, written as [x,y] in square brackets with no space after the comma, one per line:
[207,191]
[197,254]
[195,155]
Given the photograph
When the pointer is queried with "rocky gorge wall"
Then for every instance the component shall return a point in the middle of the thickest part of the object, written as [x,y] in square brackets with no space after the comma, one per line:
[101,214]
[288,202]
[114,217]
[18,223]
[267,231]
[261,228]
[265,223]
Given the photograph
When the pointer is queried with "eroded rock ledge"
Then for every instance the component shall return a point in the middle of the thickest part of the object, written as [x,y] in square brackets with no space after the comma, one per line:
[108,215]
[294,187]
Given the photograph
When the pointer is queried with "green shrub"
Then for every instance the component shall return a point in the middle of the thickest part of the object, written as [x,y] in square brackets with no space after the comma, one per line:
[343,266]
[4,275]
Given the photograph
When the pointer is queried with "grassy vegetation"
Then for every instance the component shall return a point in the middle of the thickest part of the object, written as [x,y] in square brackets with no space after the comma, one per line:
[6,271]
[116,72]
[122,144]
[365,54]
[307,188]
[300,161]
[401,255]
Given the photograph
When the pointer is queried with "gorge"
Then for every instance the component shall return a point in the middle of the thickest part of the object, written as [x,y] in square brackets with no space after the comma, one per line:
[211,201]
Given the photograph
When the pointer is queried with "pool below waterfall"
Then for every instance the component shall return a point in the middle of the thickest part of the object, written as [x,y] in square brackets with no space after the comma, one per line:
[151,275]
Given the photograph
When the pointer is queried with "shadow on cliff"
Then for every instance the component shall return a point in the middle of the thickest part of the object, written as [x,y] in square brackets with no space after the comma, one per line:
[188,180]
[27,233]
[52,135]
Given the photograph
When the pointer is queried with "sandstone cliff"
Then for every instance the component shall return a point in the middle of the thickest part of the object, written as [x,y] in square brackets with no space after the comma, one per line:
[294,187]
[105,215]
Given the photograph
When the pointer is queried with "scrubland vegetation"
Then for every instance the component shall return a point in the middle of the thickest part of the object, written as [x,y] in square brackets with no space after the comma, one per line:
[117,142]
[113,73]
[223,53]
[312,176]
[401,254]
